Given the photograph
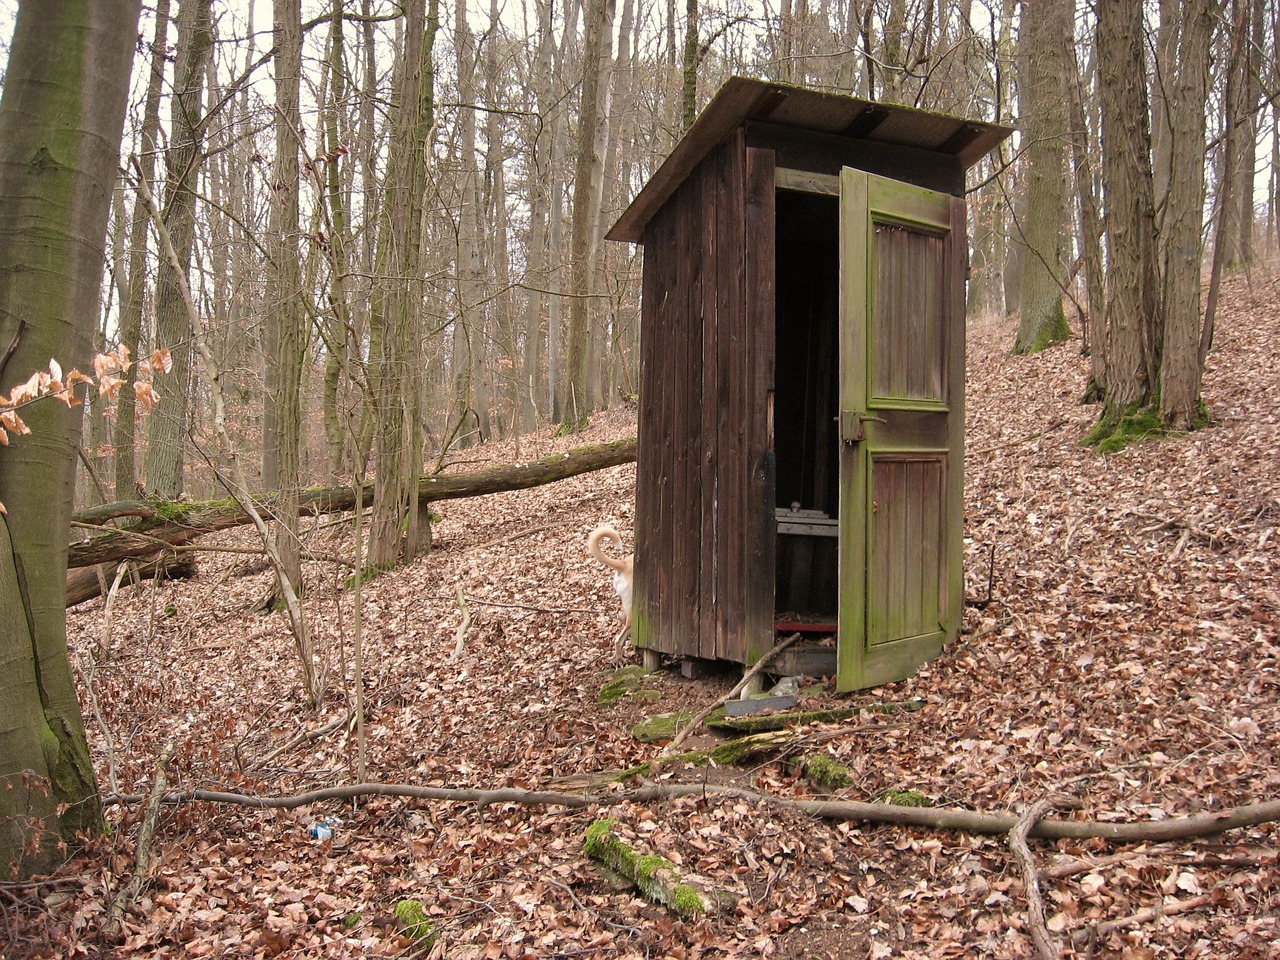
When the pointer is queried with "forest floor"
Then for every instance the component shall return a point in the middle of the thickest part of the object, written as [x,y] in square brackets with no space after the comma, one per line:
[1129,659]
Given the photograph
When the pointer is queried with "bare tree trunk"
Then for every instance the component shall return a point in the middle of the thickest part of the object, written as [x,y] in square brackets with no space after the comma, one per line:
[126,471]
[598,323]
[893,52]
[579,399]
[284,366]
[397,308]
[1041,57]
[503,370]
[1235,56]
[167,430]
[338,324]
[1133,322]
[468,323]
[61,118]
[689,76]
[1094,327]
[557,376]
[1187,85]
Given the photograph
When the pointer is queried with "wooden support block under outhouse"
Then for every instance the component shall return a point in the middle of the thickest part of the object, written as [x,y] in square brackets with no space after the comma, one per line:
[805,660]
[697,668]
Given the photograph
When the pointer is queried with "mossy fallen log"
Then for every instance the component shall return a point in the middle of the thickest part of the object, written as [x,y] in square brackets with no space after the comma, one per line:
[800,718]
[657,878]
[825,773]
[731,753]
[158,523]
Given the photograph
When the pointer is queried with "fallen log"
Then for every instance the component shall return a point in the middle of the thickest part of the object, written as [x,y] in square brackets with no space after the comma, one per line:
[660,880]
[164,523]
[85,583]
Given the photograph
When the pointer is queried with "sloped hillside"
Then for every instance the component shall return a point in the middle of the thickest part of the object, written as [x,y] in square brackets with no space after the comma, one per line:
[1125,665]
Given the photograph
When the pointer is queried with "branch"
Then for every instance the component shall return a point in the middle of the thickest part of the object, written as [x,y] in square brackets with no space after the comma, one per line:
[1031,878]
[746,678]
[128,896]
[970,821]
[460,636]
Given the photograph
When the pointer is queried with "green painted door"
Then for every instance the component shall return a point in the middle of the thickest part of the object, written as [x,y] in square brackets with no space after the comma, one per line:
[901,426]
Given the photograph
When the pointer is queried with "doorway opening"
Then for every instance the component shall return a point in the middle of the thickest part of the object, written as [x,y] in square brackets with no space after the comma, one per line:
[806,428]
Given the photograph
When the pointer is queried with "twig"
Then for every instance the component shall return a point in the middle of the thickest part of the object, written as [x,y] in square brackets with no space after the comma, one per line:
[108,608]
[146,834]
[460,635]
[300,737]
[508,537]
[1188,528]
[523,606]
[109,740]
[1145,915]
[746,678]
[1076,865]
[1031,879]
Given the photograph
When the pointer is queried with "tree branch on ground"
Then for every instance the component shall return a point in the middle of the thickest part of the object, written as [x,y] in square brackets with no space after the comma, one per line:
[741,685]
[1174,828]
[129,894]
[1031,878]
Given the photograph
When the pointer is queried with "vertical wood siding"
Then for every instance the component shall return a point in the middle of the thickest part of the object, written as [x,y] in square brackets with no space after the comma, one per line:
[704,511]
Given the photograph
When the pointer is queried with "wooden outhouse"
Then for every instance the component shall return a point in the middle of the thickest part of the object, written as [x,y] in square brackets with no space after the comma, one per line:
[801,420]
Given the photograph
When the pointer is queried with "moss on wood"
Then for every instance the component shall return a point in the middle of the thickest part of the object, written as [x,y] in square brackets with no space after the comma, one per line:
[416,925]
[729,754]
[825,774]
[657,878]
[799,718]
[662,726]
[1116,429]
[904,798]
[626,682]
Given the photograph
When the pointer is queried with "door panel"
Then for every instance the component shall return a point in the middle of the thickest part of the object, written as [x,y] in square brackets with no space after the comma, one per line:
[901,503]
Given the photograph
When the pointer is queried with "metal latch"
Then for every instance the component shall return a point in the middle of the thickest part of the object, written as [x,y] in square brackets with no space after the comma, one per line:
[851,425]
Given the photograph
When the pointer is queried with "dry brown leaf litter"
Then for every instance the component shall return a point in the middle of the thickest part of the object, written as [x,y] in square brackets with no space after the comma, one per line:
[1128,659]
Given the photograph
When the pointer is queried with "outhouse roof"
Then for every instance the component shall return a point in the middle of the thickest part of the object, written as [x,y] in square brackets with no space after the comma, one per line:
[742,99]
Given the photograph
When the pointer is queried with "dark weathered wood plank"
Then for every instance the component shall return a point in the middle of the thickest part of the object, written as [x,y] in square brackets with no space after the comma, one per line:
[714,325]
[760,528]
[731,407]
[686,428]
[798,149]
[650,627]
